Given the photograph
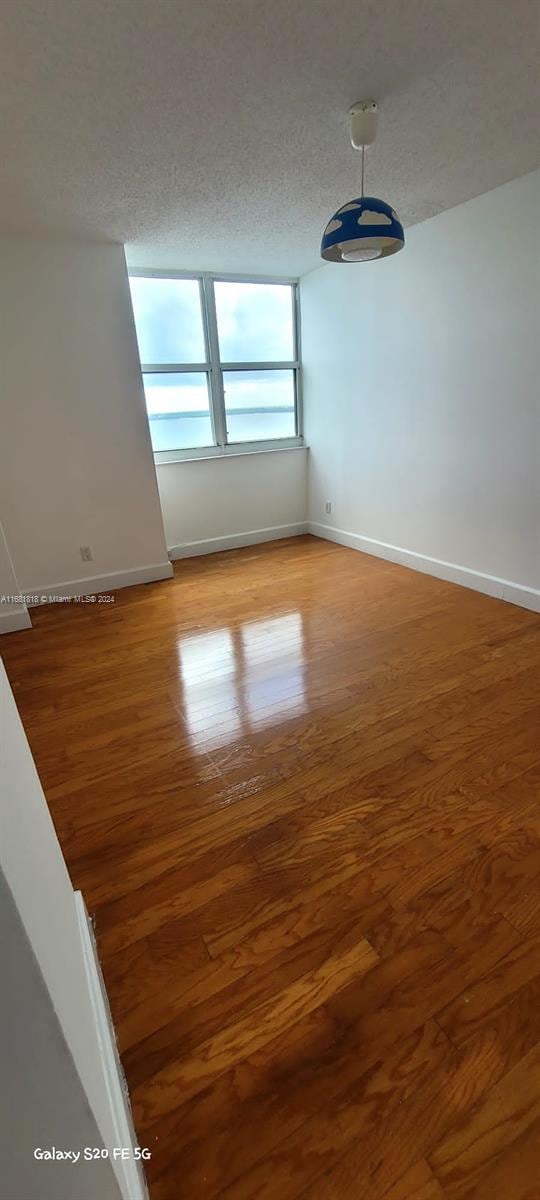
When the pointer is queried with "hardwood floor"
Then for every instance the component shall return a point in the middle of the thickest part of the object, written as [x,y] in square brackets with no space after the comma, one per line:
[300,790]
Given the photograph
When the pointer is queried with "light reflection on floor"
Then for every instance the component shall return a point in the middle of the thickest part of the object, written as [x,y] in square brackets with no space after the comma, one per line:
[240,680]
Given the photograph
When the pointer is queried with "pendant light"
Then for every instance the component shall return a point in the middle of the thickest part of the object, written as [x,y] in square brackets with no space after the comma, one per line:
[365,228]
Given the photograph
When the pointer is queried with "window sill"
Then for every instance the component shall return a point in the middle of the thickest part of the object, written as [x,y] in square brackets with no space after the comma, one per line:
[165,458]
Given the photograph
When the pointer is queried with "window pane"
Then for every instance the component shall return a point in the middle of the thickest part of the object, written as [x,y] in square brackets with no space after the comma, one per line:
[255,322]
[259,404]
[178,410]
[168,320]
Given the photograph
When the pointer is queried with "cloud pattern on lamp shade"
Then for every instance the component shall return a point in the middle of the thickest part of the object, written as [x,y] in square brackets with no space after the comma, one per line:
[332,226]
[371,217]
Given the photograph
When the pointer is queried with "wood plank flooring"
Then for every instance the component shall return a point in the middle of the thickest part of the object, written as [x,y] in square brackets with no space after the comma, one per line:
[300,790]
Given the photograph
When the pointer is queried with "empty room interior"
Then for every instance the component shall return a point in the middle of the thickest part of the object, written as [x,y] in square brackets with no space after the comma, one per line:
[270,599]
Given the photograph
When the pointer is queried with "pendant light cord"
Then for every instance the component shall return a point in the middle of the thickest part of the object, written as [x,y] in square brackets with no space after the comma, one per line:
[363,152]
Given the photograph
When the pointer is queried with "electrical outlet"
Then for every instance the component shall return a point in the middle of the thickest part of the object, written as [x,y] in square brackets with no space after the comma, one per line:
[86,553]
[328,506]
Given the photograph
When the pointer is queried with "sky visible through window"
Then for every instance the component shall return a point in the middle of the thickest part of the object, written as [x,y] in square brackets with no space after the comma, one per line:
[254,322]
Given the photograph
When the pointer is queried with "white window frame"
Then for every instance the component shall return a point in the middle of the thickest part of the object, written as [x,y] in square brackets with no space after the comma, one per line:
[214,368]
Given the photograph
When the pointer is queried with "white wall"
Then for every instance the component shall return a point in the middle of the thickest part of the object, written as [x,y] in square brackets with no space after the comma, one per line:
[208,499]
[76,466]
[421,389]
[43,1100]
[33,867]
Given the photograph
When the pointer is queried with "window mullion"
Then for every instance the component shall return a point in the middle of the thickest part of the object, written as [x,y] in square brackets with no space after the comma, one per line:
[297,328]
[174,368]
[286,365]
[217,395]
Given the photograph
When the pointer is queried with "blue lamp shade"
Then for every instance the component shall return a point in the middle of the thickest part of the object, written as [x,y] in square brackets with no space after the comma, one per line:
[362,229]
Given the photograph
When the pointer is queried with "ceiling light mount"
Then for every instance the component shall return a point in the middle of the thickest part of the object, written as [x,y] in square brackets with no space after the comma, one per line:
[365,228]
[363,121]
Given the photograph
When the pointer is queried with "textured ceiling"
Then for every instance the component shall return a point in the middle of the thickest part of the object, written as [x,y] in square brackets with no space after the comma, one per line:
[212,133]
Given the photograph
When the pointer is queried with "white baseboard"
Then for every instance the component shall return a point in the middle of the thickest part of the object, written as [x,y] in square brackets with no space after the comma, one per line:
[232,540]
[129,1173]
[491,585]
[16,619]
[92,584]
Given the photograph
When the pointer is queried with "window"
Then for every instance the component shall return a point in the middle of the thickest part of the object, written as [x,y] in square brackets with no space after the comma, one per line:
[220,365]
